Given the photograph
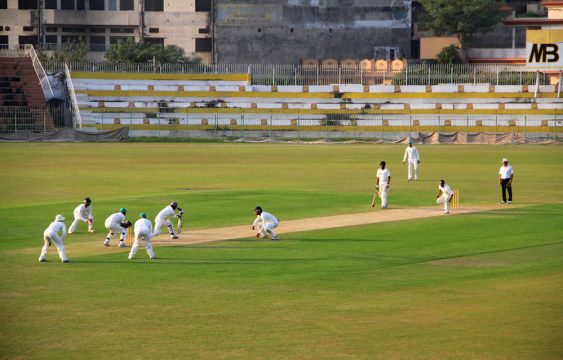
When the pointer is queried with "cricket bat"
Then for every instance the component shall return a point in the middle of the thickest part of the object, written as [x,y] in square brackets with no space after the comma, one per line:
[179,225]
[374,197]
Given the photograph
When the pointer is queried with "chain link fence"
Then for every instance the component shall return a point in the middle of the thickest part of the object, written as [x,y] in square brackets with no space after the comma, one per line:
[14,119]
[328,127]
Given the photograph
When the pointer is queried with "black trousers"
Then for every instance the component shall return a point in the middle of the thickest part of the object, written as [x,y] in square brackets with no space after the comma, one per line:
[504,184]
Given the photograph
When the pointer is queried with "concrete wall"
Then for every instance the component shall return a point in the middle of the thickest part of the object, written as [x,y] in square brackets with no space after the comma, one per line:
[287,31]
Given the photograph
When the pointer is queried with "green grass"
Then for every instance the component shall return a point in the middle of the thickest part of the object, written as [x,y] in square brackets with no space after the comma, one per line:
[487,285]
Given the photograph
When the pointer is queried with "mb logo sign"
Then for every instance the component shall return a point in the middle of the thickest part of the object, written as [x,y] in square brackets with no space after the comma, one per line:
[544,53]
[543,48]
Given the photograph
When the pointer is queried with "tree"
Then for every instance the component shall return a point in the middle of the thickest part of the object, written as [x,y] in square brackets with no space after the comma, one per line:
[70,52]
[462,18]
[132,52]
[449,55]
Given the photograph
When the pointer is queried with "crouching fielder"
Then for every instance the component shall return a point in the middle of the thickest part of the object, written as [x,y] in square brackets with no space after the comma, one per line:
[143,230]
[52,234]
[444,196]
[265,223]
[83,212]
[162,219]
[116,223]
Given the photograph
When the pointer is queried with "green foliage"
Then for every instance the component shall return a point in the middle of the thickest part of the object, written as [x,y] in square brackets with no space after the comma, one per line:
[463,18]
[70,52]
[129,51]
[449,55]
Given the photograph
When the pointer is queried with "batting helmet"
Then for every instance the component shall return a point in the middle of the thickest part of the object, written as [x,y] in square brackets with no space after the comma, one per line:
[174,204]
[258,210]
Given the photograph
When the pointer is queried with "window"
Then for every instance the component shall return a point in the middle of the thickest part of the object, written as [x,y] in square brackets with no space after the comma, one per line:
[32,39]
[97,30]
[97,43]
[157,41]
[202,5]
[51,29]
[116,39]
[97,5]
[153,30]
[204,30]
[65,39]
[80,5]
[67,4]
[74,29]
[27,5]
[50,39]
[203,45]
[112,5]
[122,30]
[154,5]
[126,5]
[51,4]
[3,4]
[3,39]
[28,28]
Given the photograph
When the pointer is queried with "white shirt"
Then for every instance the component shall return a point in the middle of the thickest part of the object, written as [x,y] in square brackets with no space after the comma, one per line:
[506,172]
[446,189]
[164,214]
[411,154]
[383,175]
[115,219]
[265,218]
[83,212]
[55,227]
[143,226]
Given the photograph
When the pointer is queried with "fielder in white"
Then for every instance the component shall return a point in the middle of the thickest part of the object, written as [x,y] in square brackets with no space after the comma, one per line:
[116,223]
[83,212]
[383,182]
[265,223]
[162,219]
[52,234]
[445,195]
[412,158]
[143,230]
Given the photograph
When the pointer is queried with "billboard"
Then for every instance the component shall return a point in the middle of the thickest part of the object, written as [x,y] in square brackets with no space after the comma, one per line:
[544,48]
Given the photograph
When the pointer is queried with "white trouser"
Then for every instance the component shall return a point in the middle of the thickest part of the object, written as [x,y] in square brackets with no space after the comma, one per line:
[413,164]
[159,223]
[76,221]
[383,190]
[444,199]
[144,234]
[52,236]
[116,228]
[268,229]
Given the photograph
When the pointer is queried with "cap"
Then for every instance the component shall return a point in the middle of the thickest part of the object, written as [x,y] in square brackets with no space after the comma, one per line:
[504,160]
[258,209]
[143,215]
[87,199]
[410,141]
[59,218]
[123,211]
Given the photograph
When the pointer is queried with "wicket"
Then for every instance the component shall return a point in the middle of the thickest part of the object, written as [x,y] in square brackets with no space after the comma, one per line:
[129,239]
[455,200]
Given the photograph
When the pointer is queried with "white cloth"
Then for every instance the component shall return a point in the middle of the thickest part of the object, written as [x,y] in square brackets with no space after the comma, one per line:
[52,234]
[162,220]
[142,230]
[81,213]
[113,224]
[445,196]
[506,172]
[266,223]
[412,158]
[384,178]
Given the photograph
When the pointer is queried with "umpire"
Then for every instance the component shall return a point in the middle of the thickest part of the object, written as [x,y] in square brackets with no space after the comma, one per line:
[506,174]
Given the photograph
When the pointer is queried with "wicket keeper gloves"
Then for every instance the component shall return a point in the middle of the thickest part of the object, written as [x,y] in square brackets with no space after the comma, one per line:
[125,225]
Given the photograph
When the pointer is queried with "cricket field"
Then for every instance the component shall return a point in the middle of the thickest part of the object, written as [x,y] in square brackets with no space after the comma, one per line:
[484,285]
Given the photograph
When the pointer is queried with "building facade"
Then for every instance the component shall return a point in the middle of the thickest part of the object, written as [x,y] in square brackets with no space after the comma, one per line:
[289,31]
[100,23]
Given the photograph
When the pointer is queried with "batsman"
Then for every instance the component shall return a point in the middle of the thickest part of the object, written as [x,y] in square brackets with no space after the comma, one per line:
[162,220]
